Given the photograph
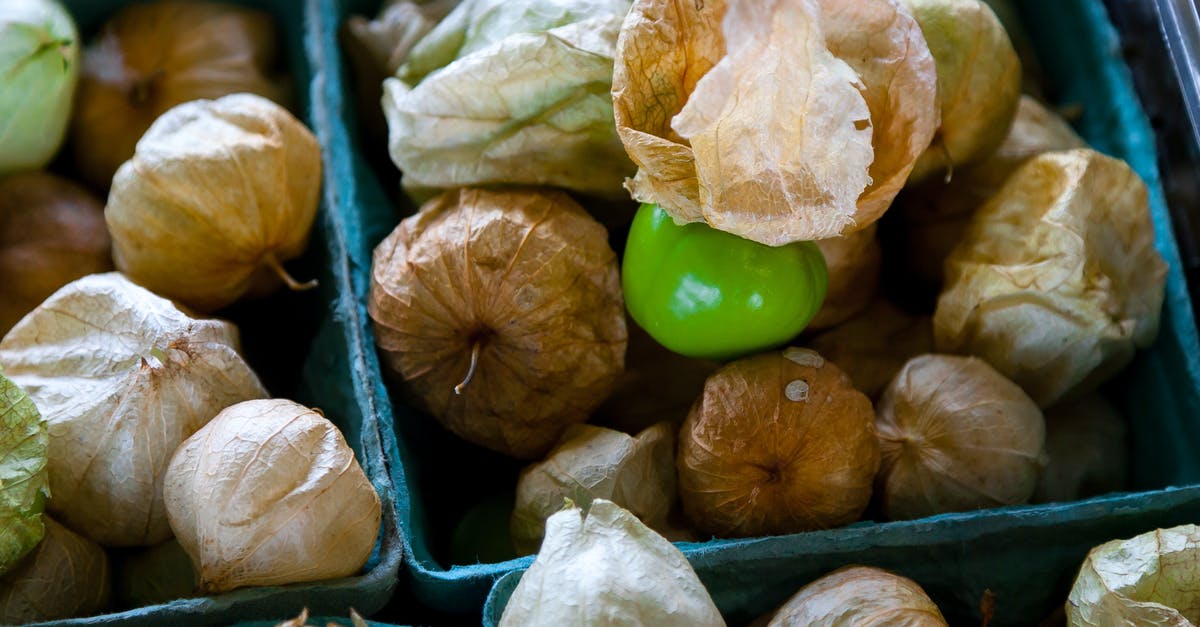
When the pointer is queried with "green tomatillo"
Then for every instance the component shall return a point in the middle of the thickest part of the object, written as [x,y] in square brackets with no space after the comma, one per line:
[706,293]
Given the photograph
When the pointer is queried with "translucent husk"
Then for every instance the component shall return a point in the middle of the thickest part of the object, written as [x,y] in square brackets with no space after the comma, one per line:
[122,377]
[955,436]
[1056,282]
[1088,451]
[777,121]
[861,596]
[872,346]
[500,312]
[635,472]
[218,195]
[1147,580]
[23,476]
[605,567]
[853,265]
[778,443]
[269,493]
[66,576]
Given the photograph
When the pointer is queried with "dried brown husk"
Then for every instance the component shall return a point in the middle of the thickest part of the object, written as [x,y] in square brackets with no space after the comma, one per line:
[269,493]
[744,116]
[861,596]
[523,283]
[657,385]
[219,194]
[122,377]
[979,82]
[1088,450]
[1147,580]
[853,264]
[936,212]
[779,443]
[1056,282]
[872,346]
[51,233]
[66,576]
[635,472]
[956,436]
[150,57]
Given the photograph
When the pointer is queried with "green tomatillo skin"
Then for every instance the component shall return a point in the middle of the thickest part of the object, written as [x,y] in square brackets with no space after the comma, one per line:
[706,293]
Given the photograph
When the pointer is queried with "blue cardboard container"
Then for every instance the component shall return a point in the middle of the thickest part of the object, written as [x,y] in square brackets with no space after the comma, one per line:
[1026,555]
[304,346]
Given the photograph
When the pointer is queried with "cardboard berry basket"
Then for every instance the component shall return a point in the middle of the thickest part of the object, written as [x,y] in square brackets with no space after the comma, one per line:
[1026,555]
[304,346]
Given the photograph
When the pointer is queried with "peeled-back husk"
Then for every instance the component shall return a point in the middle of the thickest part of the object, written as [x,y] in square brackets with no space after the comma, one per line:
[861,596]
[778,443]
[635,472]
[776,121]
[122,377]
[217,196]
[853,264]
[605,567]
[1148,580]
[955,436]
[1088,450]
[150,57]
[525,280]
[1056,281]
[66,576]
[269,493]
[510,93]
[872,346]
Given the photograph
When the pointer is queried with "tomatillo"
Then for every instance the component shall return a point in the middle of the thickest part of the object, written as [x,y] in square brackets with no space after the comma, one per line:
[706,293]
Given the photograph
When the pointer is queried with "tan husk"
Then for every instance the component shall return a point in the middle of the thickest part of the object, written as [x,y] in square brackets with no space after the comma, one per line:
[956,435]
[746,118]
[778,443]
[66,576]
[121,376]
[501,313]
[269,493]
[1148,580]
[635,472]
[150,57]
[51,233]
[218,195]
[979,82]
[1088,450]
[853,264]
[861,596]
[1056,281]
[872,346]
[936,213]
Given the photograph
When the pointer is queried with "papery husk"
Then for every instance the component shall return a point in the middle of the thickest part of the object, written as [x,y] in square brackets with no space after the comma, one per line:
[979,82]
[526,282]
[66,576]
[122,377]
[51,232]
[269,493]
[853,264]
[936,213]
[219,194]
[1148,580]
[150,57]
[635,472]
[504,93]
[746,118]
[1056,281]
[778,443]
[1088,450]
[872,346]
[606,567]
[861,596]
[24,482]
[956,436]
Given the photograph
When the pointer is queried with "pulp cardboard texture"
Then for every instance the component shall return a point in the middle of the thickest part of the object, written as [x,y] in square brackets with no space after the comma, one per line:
[334,375]
[1026,555]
